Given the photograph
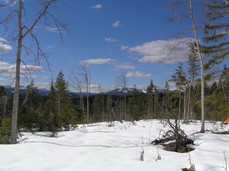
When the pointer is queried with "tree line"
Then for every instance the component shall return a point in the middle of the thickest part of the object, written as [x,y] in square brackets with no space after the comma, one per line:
[60,111]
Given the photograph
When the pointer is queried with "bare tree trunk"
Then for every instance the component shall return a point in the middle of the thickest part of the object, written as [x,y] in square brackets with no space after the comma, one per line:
[88,90]
[5,105]
[185,107]
[201,65]
[125,107]
[122,81]
[13,139]
[189,103]
[155,102]
[179,114]
[23,30]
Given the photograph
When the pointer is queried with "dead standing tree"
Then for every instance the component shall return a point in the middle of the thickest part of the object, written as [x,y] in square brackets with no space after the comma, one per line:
[86,79]
[25,30]
[122,82]
[189,15]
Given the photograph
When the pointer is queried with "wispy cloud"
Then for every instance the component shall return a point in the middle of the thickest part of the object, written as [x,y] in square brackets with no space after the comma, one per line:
[111,40]
[168,52]
[137,74]
[53,29]
[3,40]
[7,69]
[97,6]
[124,47]
[168,73]
[99,61]
[124,66]
[116,24]
[50,46]
[8,2]
[4,48]
[43,85]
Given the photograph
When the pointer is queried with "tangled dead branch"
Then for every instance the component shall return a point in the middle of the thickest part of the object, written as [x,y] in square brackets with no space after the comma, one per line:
[175,139]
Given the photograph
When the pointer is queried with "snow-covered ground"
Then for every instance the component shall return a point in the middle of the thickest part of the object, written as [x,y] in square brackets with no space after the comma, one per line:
[101,147]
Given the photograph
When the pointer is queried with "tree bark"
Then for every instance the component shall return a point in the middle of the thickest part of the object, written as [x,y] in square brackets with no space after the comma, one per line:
[201,65]
[13,139]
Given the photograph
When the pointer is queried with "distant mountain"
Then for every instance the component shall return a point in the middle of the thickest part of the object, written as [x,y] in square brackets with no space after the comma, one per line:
[117,92]
[122,92]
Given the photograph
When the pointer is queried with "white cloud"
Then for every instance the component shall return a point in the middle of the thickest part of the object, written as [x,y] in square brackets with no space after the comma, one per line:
[124,47]
[116,24]
[137,74]
[172,86]
[4,48]
[8,2]
[3,40]
[42,85]
[8,70]
[97,61]
[97,6]
[111,40]
[53,29]
[168,73]
[124,66]
[31,68]
[168,52]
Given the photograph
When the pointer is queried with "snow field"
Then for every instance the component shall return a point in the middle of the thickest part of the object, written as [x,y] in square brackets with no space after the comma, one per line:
[99,147]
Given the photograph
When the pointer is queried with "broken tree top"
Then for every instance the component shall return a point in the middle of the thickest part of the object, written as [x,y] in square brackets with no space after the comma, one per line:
[227,121]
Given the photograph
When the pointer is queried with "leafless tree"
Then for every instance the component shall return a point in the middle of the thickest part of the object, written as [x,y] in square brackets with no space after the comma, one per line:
[86,76]
[122,82]
[24,29]
[201,60]
[77,84]
[189,15]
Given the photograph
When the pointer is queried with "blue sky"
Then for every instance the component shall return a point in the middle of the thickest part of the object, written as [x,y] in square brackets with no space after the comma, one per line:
[113,37]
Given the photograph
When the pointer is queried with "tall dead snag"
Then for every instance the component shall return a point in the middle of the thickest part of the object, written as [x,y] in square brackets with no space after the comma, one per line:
[122,82]
[86,78]
[188,14]
[201,60]
[25,30]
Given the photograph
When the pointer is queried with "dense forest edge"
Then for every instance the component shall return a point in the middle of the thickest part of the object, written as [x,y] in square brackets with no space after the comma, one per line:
[59,110]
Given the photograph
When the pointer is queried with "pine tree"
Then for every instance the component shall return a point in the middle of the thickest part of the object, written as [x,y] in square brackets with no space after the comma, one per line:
[133,106]
[67,113]
[150,91]
[28,116]
[224,83]
[96,109]
[193,73]
[61,92]
[109,107]
[216,30]
[51,111]
[179,78]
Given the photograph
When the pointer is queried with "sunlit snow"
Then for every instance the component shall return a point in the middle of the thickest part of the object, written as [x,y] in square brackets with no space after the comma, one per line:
[115,147]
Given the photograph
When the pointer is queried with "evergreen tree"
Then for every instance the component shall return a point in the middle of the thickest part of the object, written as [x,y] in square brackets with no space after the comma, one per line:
[150,91]
[216,30]
[193,73]
[224,83]
[133,106]
[96,109]
[109,106]
[28,116]
[67,113]
[51,110]
[179,78]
